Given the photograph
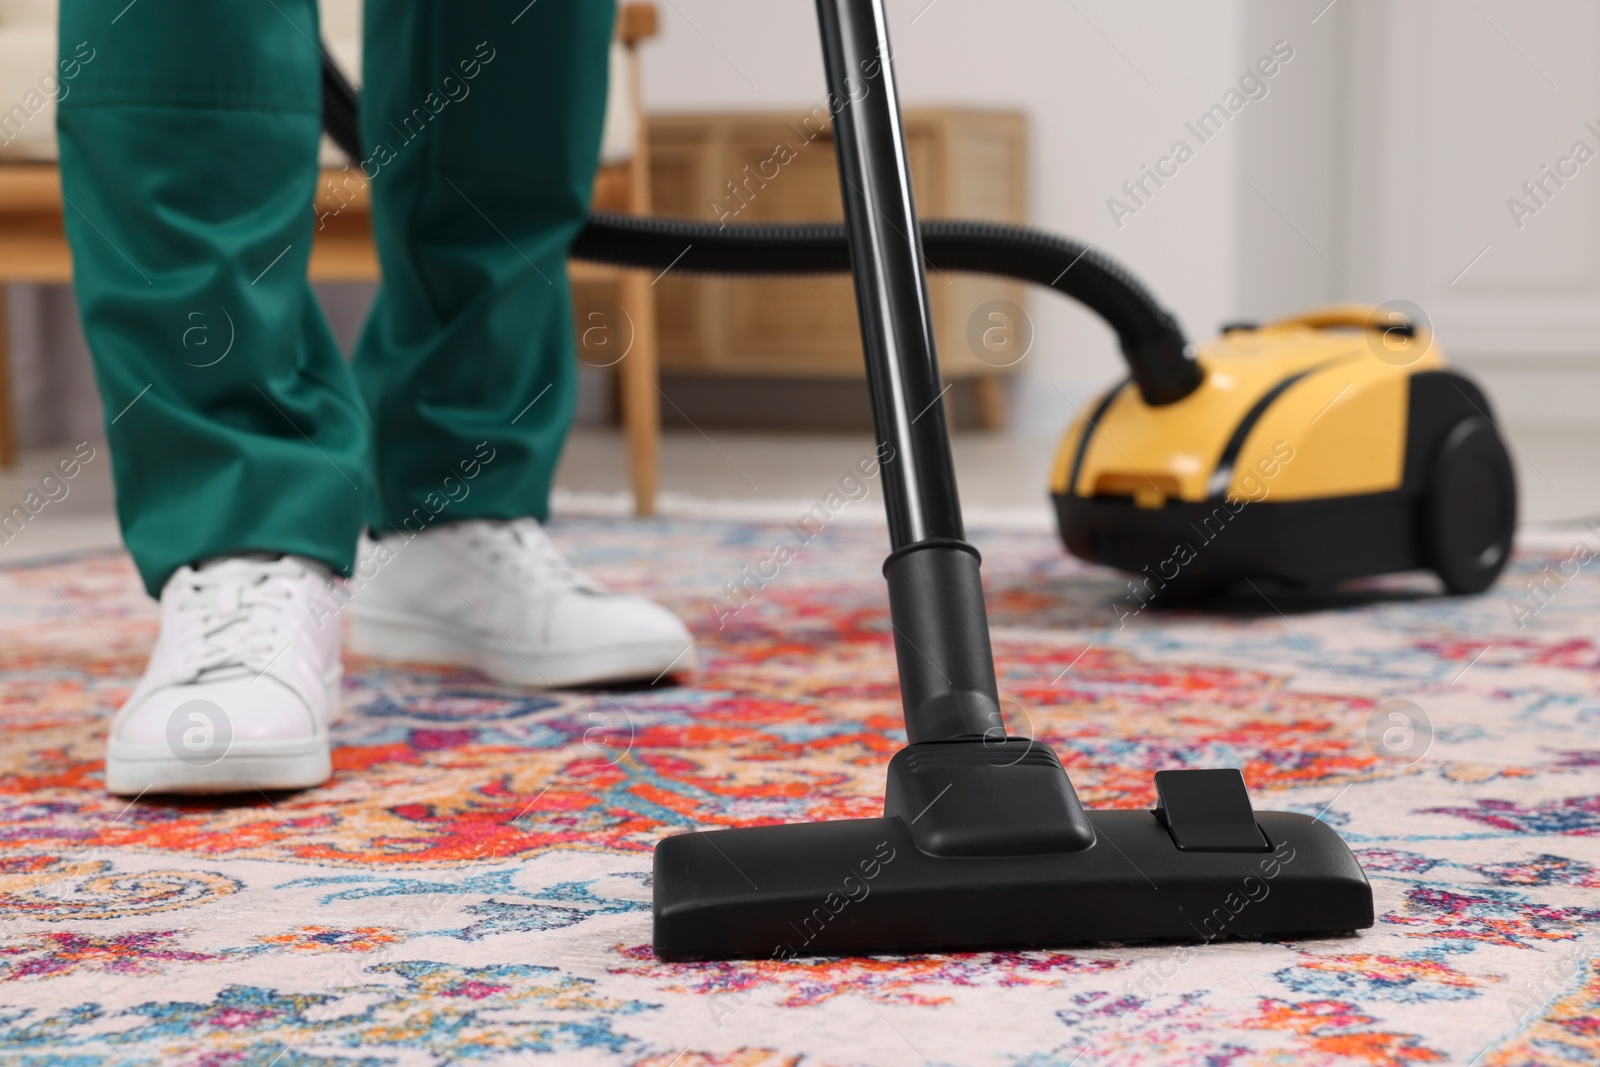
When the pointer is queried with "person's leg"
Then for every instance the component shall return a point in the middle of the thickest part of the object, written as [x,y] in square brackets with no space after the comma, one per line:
[188,163]
[238,443]
[481,123]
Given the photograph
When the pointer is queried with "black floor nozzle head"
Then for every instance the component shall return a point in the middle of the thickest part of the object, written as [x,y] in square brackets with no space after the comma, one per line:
[863,887]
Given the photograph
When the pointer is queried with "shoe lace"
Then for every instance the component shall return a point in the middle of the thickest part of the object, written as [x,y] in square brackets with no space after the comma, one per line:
[244,616]
[524,549]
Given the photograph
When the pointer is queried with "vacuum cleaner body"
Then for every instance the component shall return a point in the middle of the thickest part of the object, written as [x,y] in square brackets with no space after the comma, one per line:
[1329,446]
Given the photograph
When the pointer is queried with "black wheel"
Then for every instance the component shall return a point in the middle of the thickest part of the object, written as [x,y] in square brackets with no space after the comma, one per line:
[1470,507]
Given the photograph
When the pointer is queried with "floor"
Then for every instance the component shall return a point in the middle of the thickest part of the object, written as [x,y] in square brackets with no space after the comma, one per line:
[744,474]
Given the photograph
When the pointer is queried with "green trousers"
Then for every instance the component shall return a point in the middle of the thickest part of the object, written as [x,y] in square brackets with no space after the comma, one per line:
[189,143]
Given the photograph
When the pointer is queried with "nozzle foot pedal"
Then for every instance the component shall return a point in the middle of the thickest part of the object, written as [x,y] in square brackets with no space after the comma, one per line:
[1208,811]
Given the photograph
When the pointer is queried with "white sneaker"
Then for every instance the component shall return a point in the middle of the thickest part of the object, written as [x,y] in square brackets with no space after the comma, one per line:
[499,598]
[241,687]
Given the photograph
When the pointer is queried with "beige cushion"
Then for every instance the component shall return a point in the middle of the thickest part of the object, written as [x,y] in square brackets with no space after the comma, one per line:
[28,13]
[618,142]
[339,18]
[29,82]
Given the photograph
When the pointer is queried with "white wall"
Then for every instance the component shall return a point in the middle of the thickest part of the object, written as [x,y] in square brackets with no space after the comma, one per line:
[1471,104]
[1420,122]
[1293,183]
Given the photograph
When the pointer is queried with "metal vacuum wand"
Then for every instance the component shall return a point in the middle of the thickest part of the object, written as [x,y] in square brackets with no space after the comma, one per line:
[941,638]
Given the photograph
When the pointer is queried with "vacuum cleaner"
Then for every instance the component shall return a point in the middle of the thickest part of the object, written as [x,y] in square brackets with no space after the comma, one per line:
[1331,445]
[982,844]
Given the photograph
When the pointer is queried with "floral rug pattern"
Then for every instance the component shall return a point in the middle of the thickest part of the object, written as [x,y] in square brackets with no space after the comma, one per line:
[472,887]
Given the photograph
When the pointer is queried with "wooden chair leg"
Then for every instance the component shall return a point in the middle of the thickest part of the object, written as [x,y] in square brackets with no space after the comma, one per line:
[989,393]
[639,378]
[8,428]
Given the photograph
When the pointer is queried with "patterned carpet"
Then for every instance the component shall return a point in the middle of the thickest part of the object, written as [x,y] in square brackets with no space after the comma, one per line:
[472,887]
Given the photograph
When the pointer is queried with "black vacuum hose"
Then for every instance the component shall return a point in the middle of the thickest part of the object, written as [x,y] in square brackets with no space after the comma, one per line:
[341,108]
[1158,356]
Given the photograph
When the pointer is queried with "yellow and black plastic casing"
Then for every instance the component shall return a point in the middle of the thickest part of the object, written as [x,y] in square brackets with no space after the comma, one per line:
[1332,445]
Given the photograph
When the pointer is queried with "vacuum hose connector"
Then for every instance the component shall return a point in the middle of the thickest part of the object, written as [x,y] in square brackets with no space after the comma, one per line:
[941,646]
[1158,355]
[1164,370]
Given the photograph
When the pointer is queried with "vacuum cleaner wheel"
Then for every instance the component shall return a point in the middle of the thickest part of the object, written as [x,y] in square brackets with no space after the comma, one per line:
[1470,507]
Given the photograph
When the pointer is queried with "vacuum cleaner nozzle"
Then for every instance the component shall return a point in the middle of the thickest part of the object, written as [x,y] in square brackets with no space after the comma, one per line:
[983,844]
[1202,865]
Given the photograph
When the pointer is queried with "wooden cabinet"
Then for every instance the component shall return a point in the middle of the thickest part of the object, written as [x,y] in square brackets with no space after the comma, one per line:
[780,167]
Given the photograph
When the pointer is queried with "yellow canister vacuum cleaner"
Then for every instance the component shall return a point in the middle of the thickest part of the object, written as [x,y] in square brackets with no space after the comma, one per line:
[1331,445]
